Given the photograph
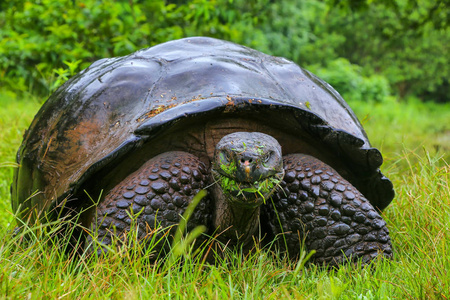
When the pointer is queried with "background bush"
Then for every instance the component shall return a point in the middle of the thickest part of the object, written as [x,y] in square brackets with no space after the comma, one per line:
[47,41]
[349,80]
[358,46]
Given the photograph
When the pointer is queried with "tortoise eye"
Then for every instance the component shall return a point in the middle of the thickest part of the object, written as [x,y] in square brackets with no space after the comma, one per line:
[224,157]
[267,157]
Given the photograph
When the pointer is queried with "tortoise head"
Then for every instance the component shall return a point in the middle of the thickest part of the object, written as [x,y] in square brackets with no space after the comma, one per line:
[248,167]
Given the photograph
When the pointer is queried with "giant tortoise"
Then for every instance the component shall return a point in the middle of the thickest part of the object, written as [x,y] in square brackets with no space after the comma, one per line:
[279,151]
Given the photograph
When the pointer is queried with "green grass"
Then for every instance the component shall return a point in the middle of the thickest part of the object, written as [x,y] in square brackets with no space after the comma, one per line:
[15,117]
[412,136]
[415,126]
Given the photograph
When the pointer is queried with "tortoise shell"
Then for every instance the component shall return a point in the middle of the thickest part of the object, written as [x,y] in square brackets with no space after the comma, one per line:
[186,94]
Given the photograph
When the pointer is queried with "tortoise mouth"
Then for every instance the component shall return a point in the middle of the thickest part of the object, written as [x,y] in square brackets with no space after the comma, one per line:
[246,193]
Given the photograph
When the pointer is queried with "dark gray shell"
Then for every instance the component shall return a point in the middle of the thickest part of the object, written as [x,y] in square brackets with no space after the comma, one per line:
[117,106]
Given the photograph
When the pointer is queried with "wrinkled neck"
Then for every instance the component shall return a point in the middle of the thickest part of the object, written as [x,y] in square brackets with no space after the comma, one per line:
[233,222]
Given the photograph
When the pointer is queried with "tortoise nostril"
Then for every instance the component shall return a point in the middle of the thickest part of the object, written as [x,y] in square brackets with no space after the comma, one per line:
[248,160]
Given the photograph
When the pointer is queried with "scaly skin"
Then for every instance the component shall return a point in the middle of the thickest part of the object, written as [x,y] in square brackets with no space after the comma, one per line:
[339,223]
[158,193]
[312,202]
[235,223]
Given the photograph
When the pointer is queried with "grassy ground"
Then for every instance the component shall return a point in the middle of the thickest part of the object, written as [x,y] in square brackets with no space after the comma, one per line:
[413,139]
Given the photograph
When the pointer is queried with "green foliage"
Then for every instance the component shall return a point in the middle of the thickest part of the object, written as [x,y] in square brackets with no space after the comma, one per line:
[287,28]
[412,14]
[42,43]
[348,79]
[399,40]
[404,42]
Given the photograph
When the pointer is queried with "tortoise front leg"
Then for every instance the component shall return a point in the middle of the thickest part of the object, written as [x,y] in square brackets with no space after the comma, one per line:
[338,221]
[158,194]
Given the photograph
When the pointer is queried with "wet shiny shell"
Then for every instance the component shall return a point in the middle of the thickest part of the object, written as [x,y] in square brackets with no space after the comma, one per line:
[109,111]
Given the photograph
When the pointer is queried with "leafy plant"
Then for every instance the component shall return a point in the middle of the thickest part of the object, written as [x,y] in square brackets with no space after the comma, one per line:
[40,46]
[388,39]
[350,81]
[405,41]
